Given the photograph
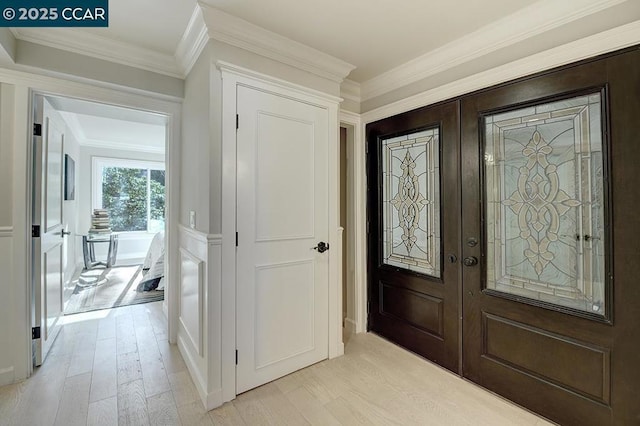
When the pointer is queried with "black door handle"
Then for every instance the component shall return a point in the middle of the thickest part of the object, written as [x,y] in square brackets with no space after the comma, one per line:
[321,247]
[470,261]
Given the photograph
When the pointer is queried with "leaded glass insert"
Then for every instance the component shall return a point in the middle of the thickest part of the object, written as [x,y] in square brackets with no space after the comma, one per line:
[545,203]
[411,202]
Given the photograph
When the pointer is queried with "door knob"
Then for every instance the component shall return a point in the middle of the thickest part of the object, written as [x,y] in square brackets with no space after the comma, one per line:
[470,261]
[321,247]
[63,233]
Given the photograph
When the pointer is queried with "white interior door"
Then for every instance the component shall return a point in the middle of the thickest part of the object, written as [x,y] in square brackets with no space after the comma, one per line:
[282,213]
[48,215]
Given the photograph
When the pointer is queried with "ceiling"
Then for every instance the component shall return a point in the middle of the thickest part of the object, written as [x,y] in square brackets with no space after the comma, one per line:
[153,24]
[107,126]
[375,36]
[399,30]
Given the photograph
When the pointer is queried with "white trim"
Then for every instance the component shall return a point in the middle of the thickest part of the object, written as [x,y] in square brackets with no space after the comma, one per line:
[81,88]
[6,231]
[7,376]
[240,33]
[123,146]
[350,327]
[192,365]
[100,47]
[197,343]
[26,85]
[209,239]
[360,232]
[607,41]
[528,22]
[193,41]
[233,76]
[351,90]
[277,84]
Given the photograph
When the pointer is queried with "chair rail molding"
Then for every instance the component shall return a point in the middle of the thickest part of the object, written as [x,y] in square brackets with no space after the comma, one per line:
[6,231]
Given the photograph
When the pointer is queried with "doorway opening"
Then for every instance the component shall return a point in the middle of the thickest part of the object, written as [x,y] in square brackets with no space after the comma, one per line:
[347,223]
[98,213]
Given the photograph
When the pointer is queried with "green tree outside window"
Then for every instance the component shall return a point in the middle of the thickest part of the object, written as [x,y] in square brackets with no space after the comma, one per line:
[134,198]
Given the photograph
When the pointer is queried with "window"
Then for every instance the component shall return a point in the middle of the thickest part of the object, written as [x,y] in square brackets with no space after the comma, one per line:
[133,192]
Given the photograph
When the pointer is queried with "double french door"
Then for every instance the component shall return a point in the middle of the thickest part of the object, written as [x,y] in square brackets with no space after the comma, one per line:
[503,228]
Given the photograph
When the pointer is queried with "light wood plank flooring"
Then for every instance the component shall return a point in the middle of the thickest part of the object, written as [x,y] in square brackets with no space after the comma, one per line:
[116,367]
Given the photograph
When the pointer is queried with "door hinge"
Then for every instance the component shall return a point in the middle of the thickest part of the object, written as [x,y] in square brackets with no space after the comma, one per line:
[35,231]
[367,226]
[236,239]
[237,121]
[37,129]
[35,333]
[236,357]
[366,148]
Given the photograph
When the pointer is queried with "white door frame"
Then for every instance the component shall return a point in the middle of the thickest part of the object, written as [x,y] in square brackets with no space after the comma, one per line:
[232,76]
[28,86]
[353,123]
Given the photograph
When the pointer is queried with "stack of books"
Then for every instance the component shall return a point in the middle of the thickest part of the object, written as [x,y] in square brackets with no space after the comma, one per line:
[100,222]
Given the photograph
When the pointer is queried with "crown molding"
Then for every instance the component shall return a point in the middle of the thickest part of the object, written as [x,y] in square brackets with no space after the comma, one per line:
[98,143]
[231,69]
[101,48]
[350,90]
[71,120]
[240,33]
[528,22]
[588,47]
[193,41]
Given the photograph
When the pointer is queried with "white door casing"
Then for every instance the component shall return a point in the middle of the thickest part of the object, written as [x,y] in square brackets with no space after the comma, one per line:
[282,213]
[48,215]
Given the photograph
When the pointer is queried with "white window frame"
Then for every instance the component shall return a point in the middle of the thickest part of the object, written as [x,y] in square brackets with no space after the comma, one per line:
[97,166]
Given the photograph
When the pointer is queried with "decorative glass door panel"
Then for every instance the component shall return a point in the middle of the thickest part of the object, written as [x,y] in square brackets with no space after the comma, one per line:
[545,203]
[411,202]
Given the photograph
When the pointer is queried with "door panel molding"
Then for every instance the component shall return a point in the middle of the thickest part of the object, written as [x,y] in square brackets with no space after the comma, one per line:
[585,360]
[573,367]
[233,77]
[431,327]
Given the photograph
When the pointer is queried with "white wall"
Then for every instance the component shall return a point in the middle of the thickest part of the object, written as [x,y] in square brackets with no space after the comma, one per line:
[70,216]
[131,248]
[201,191]
[7,283]
[195,159]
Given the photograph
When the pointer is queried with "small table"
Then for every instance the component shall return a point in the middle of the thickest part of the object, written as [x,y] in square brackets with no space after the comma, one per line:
[89,254]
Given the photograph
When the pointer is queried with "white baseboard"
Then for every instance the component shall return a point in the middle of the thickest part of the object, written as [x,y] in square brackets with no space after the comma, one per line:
[349,326]
[7,376]
[210,400]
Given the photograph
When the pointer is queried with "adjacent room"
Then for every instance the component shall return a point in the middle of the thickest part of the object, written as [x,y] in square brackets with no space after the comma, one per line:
[114,204]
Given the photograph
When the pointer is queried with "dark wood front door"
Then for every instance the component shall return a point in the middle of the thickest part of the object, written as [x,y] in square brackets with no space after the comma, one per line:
[516,209]
[550,190]
[413,222]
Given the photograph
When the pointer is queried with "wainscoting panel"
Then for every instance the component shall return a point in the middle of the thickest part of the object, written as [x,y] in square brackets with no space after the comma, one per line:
[199,311]
[191,288]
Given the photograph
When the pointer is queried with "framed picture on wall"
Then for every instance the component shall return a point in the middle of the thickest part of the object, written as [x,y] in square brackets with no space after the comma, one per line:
[69,178]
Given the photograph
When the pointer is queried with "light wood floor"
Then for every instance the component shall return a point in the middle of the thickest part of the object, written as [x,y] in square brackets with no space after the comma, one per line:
[116,367]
